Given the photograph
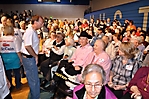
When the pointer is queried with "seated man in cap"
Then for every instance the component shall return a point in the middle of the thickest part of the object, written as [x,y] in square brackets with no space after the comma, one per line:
[82,51]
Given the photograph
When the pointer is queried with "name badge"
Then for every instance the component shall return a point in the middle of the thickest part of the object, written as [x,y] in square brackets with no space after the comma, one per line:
[129,67]
[101,60]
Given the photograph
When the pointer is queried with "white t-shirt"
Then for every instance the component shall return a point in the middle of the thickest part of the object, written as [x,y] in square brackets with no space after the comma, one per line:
[4,90]
[30,38]
[9,44]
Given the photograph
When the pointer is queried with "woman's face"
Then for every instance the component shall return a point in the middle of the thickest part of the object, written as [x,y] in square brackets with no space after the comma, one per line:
[67,42]
[53,35]
[59,38]
[83,41]
[93,84]
[120,52]
[114,37]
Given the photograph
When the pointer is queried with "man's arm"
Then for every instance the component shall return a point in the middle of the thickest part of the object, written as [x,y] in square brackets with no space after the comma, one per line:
[32,52]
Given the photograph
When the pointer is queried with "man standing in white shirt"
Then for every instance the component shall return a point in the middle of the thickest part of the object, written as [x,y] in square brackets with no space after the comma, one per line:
[30,47]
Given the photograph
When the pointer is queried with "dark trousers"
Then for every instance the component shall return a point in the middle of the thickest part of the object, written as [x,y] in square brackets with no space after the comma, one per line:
[17,76]
[8,96]
[117,93]
[22,71]
[41,58]
[45,67]
[127,96]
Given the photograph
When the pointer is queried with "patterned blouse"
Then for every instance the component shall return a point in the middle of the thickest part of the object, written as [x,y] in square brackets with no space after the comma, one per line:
[122,74]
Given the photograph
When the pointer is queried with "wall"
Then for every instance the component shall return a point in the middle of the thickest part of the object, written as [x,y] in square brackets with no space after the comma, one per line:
[54,10]
[76,2]
[136,11]
[101,4]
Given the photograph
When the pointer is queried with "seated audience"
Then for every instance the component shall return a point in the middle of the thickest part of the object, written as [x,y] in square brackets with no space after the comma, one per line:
[68,52]
[56,53]
[139,85]
[131,26]
[123,68]
[48,44]
[93,79]
[112,49]
[98,35]
[99,56]
[82,51]
[78,59]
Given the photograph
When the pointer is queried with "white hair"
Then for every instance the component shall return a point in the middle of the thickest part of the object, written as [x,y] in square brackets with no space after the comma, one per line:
[71,41]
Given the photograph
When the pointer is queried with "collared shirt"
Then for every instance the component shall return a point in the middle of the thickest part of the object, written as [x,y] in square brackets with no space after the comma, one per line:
[60,50]
[102,59]
[141,47]
[47,44]
[85,96]
[80,55]
[122,74]
[69,50]
[30,38]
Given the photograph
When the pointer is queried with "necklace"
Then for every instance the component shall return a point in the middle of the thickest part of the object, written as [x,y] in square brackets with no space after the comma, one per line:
[147,83]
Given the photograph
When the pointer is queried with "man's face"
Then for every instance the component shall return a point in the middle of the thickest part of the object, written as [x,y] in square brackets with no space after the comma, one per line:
[4,20]
[83,41]
[40,23]
[97,47]
[59,38]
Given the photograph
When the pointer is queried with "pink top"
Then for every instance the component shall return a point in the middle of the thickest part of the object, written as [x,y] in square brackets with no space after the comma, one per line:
[102,59]
[81,54]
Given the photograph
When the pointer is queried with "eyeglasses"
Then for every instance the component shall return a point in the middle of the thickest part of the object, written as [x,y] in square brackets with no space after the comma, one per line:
[58,36]
[97,86]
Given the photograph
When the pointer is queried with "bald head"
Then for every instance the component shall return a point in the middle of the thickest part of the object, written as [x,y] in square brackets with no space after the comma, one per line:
[99,46]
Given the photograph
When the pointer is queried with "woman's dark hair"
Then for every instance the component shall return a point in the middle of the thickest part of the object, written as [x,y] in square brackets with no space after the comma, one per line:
[130,21]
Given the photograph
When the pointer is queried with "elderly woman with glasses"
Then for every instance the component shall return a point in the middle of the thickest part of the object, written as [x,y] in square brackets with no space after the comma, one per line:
[92,88]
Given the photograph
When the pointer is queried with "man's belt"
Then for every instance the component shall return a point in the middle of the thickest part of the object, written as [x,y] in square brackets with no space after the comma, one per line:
[27,56]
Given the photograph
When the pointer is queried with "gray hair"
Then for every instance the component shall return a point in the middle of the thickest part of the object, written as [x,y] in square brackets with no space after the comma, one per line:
[103,45]
[71,41]
[138,39]
[94,68]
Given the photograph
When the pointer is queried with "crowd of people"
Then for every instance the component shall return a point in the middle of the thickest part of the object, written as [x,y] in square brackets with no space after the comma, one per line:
[105,58]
